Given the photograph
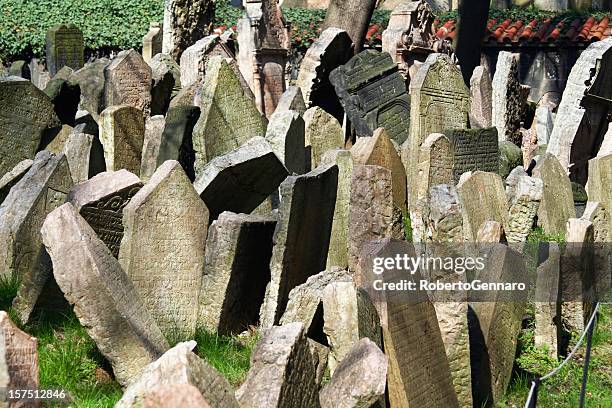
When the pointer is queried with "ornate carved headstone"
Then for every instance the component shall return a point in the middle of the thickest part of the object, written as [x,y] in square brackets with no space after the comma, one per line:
[332,49]
[166,223]
[100,201]
[507,102]
[65,48]
[152,42]
[122,130]
[481,92]
[301,237]
[128,81]
[264,44]
[185,22]
[26,115]
[474,150]
[373,94]
[323,133]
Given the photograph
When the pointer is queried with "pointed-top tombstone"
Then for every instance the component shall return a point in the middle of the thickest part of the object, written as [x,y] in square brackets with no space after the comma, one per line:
[122,130]
[128,81]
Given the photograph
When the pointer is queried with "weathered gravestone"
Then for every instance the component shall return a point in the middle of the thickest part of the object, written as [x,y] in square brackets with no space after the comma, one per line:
[26,117]
[65,48]
[373,94]
[42,189]
[445,219]
[524,207]
[600,181]
[104,298]
[236,272]
[301,237]
[178,366]
[128,81]
[481,92]
[185,22]
[166,223]
[332,49]
[84,158]
[65,96]
[154,128]
[91,82]
[584,111]
[474,150]
[544,124]
[547,306]
[286,135]
[338,245]
[557,204]
[483,198]
[12,177]
[292,99]
[229,117]
[282,371]
[418,373]
[195,58]
[166,83]
[435,165]
[122,130]
[20,69]
[371,209]
[18,362]
[152,42]
[264,44]
[100,201]
[378,150]
[222,182]
[323,133]
[507,106]
[606,145]
[359,380]
[176,395]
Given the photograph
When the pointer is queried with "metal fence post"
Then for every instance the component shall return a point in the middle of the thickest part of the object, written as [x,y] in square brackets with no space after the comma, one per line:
[587,359]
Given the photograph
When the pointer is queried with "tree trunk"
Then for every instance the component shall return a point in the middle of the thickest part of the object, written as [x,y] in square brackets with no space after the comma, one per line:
[353,16]
[471,28]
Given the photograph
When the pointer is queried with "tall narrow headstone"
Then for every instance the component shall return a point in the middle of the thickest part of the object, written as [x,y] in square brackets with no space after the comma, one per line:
[26,116]
[152,42]
[524,208]
[332,49]
[286,135]
[323,133]
[128,81]
[445,219]
[236,272]
[166,75]
[154,128]
[543,124]
[598,185]
[65,48]
[177,138]
[104,298]
[122,130]
[302,236]
[166,223]
[481,92]
[547,303]
[507,105]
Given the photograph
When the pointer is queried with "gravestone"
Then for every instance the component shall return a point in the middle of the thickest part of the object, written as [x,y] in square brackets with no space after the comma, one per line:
[286,135]
[101,200]
[445,218]
[598,185]
[176,395]
[43,188]
[105,300]
[600,217]
[236,272]
[264,45]
[360,378]
[82,158]
[338,245]
[92,82]
[222,182]
[584,112]
[606,145]
[547,314]
[292,99]
[481,93]
[195,58]
[12,177]
[373,94]
[185,22]
[474,150]
[371,209]
[557,204]
[378,150]
[332,49]
[323,133]
[435,165]
[507,106]
[282,371]
[529,145]
[166,223]
[177,138]
[26,117]
[180,366]
[65,96]
[154,128]
[524,208]
[122,130]
[20,69]
[65,48]
[478,207]
[228,116]
[544,124]
[18,362]
[301,237]
[128,81]
[152,42]
[166,75]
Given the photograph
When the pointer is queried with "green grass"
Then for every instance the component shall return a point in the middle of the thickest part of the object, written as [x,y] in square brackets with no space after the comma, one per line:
[563,389]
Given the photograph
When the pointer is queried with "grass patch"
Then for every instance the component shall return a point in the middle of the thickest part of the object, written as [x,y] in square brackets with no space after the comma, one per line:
[538,235]
[407,227]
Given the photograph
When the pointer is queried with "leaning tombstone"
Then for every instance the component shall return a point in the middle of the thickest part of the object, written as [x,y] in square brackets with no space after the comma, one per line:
[166,83]
[185,22]
[12,177]
[154,128]
[91,81]
[27,117]
[286,135]
[236,272]
[300,248]
[481,93]
[122,130]
[507,106]
[128,81]
[100,201]
[323,133]
[104,298]
[65,48]
[292,99]
[82,158]
[166,222]
[152,42]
